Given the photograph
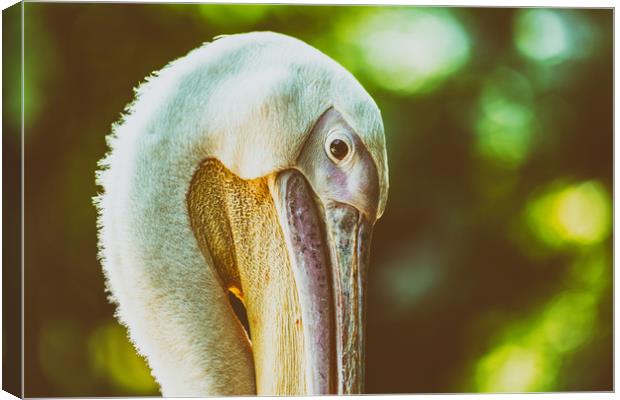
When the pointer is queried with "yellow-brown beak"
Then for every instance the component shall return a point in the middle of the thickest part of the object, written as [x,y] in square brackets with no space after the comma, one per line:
[299,267]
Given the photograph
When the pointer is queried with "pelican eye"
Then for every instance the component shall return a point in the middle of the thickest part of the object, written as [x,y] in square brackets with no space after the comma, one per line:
[338,147]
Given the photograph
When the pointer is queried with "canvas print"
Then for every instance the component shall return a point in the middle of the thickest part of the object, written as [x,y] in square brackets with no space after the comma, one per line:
[229,199]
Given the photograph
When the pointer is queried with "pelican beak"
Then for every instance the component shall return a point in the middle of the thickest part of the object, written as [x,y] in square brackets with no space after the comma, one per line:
[328,245]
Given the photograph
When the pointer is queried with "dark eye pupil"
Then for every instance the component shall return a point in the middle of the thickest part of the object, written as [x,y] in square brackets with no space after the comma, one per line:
[339,149]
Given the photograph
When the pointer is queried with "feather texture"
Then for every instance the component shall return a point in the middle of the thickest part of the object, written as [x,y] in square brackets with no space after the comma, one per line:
[247,100]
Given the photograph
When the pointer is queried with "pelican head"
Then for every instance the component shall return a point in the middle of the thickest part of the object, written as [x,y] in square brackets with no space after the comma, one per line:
[255,165]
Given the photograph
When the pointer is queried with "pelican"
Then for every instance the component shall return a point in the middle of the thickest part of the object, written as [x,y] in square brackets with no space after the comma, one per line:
[254,165]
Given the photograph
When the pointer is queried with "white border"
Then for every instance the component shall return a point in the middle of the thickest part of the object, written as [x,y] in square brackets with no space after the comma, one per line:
[454,3]
[462,3]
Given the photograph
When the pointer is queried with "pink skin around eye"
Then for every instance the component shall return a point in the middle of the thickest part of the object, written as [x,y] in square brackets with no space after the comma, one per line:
[353,181]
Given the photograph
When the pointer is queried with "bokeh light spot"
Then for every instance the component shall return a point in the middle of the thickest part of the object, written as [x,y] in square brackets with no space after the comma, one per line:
[568,320]
[112,355]
[571,214]
[410,51]
[583,213]
[504,132]
[510,369]
[541,35]
[410,278]
[506,123]
[529,353]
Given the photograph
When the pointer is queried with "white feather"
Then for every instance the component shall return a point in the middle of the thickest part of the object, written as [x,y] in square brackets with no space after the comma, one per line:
[248,100]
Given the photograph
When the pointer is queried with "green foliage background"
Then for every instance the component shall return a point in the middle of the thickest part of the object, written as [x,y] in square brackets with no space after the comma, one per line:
[491,268]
